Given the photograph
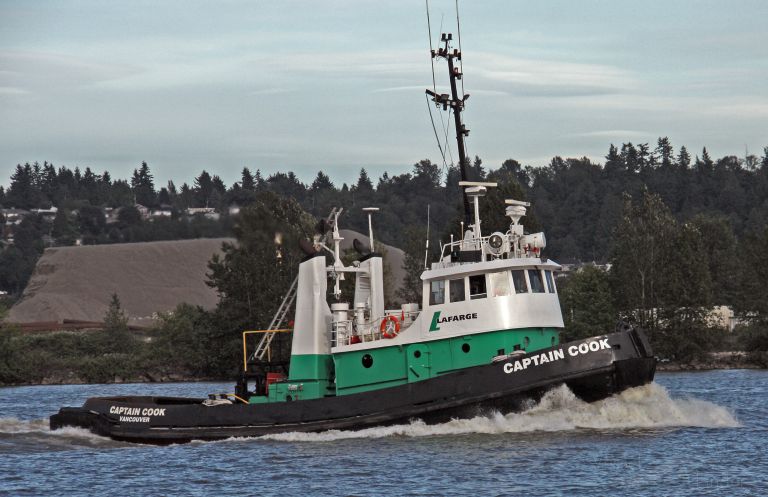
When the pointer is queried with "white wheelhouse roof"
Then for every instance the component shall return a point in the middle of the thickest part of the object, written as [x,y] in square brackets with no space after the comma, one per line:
[463,269]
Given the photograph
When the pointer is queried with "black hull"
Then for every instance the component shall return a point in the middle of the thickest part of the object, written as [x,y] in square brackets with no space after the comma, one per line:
[616,362]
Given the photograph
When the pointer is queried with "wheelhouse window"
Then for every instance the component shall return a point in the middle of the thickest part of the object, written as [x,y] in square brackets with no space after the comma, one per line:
[477,288]
[537,284]
[456,288]
[518,278]
[499,283]
[550,281]
[437,292]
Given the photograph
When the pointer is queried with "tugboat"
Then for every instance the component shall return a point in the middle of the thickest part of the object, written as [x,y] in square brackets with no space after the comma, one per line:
[486,335]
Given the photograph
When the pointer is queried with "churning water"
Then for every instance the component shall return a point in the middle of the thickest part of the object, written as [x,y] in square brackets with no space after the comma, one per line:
[686,434]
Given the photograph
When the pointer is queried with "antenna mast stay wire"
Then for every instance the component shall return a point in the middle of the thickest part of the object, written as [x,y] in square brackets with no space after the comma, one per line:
[432,59]
[447,129]
[434,128]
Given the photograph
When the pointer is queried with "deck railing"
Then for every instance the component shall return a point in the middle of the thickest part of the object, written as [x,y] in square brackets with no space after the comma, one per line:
[349,331]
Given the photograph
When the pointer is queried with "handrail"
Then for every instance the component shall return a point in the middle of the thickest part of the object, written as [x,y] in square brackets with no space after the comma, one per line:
[251,332]
[370,327]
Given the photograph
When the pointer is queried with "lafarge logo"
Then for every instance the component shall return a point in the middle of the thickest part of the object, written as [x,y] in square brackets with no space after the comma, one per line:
[436,319]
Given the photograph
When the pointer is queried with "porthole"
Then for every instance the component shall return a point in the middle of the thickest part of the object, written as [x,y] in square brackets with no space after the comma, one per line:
[465,348]
[288,398]
[417,354]
[554,341]
[367,361]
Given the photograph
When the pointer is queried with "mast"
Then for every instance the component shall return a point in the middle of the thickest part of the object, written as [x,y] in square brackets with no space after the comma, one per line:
[457,105]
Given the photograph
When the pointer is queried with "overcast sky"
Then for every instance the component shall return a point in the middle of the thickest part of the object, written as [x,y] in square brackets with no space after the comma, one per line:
[337,85]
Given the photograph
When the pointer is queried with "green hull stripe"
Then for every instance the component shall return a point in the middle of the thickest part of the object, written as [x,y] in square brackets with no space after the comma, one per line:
[318,375]
[397,365]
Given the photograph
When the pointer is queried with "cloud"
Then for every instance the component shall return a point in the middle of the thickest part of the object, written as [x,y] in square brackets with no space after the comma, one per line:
[537,77]
[31,71]
[671,106]
[271,91]
[11,91]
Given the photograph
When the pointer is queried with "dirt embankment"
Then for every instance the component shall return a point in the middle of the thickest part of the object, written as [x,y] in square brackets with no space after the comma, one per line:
[76,283]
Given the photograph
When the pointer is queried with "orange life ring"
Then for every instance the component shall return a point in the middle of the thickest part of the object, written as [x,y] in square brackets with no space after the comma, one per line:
[386,330]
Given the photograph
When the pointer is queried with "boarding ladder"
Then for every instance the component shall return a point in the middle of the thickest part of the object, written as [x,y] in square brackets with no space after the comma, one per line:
[277,321]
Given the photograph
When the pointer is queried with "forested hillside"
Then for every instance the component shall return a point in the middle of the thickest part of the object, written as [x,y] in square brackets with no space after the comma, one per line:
[681,235]
[577,202]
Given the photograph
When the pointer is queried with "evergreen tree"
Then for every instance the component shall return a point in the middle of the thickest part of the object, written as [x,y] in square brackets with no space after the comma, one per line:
[247,181]
[218,185]
[287,185]
[186,197]
[645,159]
[629,156]
[48,182]
[322,182]
[614,164]
[413,265]
[115,320]
[77,184]
[90,187]
[252,276]
[323,195]
[105,188]
[22,193]
[143,186]
[665,153]
[163,197]
[203,190]
[683,158]
[18,261]
[121,194]
[258,180]
[705,165]
[364,185]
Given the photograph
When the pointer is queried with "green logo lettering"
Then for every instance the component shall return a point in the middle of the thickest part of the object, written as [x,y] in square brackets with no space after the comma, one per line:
[435,320]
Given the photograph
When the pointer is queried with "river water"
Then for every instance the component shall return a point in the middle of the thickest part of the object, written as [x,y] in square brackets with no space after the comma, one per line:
[703,433]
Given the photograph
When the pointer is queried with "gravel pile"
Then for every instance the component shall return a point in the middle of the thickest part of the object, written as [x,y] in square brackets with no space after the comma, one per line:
[76,283]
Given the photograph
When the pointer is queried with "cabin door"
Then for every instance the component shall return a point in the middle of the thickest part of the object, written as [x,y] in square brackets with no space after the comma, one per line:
[419,363]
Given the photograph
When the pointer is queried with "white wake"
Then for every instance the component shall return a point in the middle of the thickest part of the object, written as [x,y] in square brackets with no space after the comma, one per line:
[10,426]
[646,407]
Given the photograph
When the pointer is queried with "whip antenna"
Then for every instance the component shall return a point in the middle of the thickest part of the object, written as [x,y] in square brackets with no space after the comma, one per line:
[426,250]
[461,63]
